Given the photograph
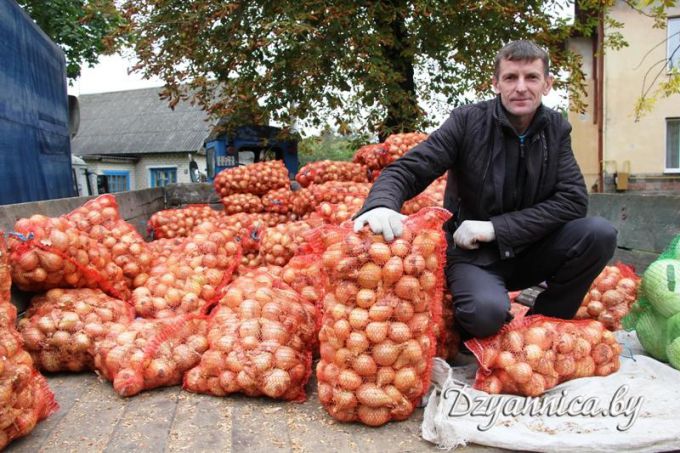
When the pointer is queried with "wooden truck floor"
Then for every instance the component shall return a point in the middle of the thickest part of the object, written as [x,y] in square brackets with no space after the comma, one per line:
[93,418]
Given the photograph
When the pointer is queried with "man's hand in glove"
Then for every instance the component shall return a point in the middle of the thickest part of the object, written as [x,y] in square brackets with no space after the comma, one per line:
[381,220]
[471,232]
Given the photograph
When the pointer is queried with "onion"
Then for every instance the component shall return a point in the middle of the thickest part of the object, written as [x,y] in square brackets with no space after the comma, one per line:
[369,276]
[325,391]
[565,343]
[358,318]
[538,336]
[343,357]
[520,372]
[357,342]
[595,307]
[613,297]
[364,365]
[386,353]
[392,271]
[385,375]
[380,253]
[513,341]
[491,385]
[414,264]
[365,298]
[373,396]
[400,248]
[373,416]
[565,365]
[399,332]
[407,287]
[376,332]
[405,379]
[505,359]
[349,379]
[403,311]
[380,312]
[602,353]
[535,387]
[276,383]
[344,400]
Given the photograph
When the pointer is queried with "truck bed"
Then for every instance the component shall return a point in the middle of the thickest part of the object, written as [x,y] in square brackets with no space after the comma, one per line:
[93,418]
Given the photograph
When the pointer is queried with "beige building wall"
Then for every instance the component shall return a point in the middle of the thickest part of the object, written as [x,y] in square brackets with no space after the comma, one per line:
[101,167]
[584,129]
[641,143]
[179,161]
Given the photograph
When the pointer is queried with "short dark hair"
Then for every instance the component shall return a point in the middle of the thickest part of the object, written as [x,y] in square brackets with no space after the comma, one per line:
[522,50]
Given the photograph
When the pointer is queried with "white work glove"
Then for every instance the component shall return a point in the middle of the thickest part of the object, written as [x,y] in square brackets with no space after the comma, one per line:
[471,232]
[381,220]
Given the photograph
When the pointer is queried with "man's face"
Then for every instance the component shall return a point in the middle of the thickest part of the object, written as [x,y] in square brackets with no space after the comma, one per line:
[522,85]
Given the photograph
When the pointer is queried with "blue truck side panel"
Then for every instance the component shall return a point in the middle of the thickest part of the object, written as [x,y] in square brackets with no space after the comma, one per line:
[35,149]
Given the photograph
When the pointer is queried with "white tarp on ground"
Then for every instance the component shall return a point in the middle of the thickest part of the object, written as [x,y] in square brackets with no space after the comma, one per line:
[634,409]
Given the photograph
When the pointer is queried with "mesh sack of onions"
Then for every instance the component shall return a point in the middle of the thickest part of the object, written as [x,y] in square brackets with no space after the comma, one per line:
[448,337]
[60,328]
[336,213]
[302,202]
[161,249]
[396,145]
[417,203]
[304,273]
[25,398]
[242,202]
[191,276]
[610,296]
[370,155]
[330,170]
[532,354]
[51,252]
[150,353]
[173,223]
[8,312]
[257,179]
[278,201]
[100,219]
[280,243]
[260,339]
[436,191]
[376,337]
[336,191]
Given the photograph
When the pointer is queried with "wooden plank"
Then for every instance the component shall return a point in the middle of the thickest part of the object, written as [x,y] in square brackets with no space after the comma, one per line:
[146,422]
[67,389]
[182,194]
[202,423]
[259,425]
[89,423]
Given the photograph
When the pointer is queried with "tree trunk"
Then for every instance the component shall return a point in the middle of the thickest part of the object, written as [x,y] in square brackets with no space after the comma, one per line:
[403,112]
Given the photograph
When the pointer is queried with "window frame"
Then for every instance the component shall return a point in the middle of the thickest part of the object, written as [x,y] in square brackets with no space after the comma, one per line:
[668,169]
[125,173]
[151,170]
[669,66]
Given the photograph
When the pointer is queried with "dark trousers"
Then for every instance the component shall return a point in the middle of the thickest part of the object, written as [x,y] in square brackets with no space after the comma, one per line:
[568,260]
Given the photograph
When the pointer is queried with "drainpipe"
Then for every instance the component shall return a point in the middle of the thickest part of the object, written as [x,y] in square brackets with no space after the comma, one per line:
[599,102]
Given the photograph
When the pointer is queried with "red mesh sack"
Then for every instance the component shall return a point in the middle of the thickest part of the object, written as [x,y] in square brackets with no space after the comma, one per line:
[336,213]
[611,296]
[25,398]
[371,156]
[48,253]
[533,354]
[380,306]
[191,276]
[436,191]
[336,191]
[304,273]
[242,202]
[396,145]
[8,312]
[100,219]
[278,201]
[260,336]
[329,170]
[448,337]
[172,223]
[150,353]
[302,202]
[60,328]
[280,243]
[417,203]
[257,179]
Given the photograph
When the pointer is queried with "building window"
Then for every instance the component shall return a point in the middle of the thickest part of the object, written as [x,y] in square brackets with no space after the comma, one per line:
[673,144]
[162,176]
[118,180]
[673,40]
